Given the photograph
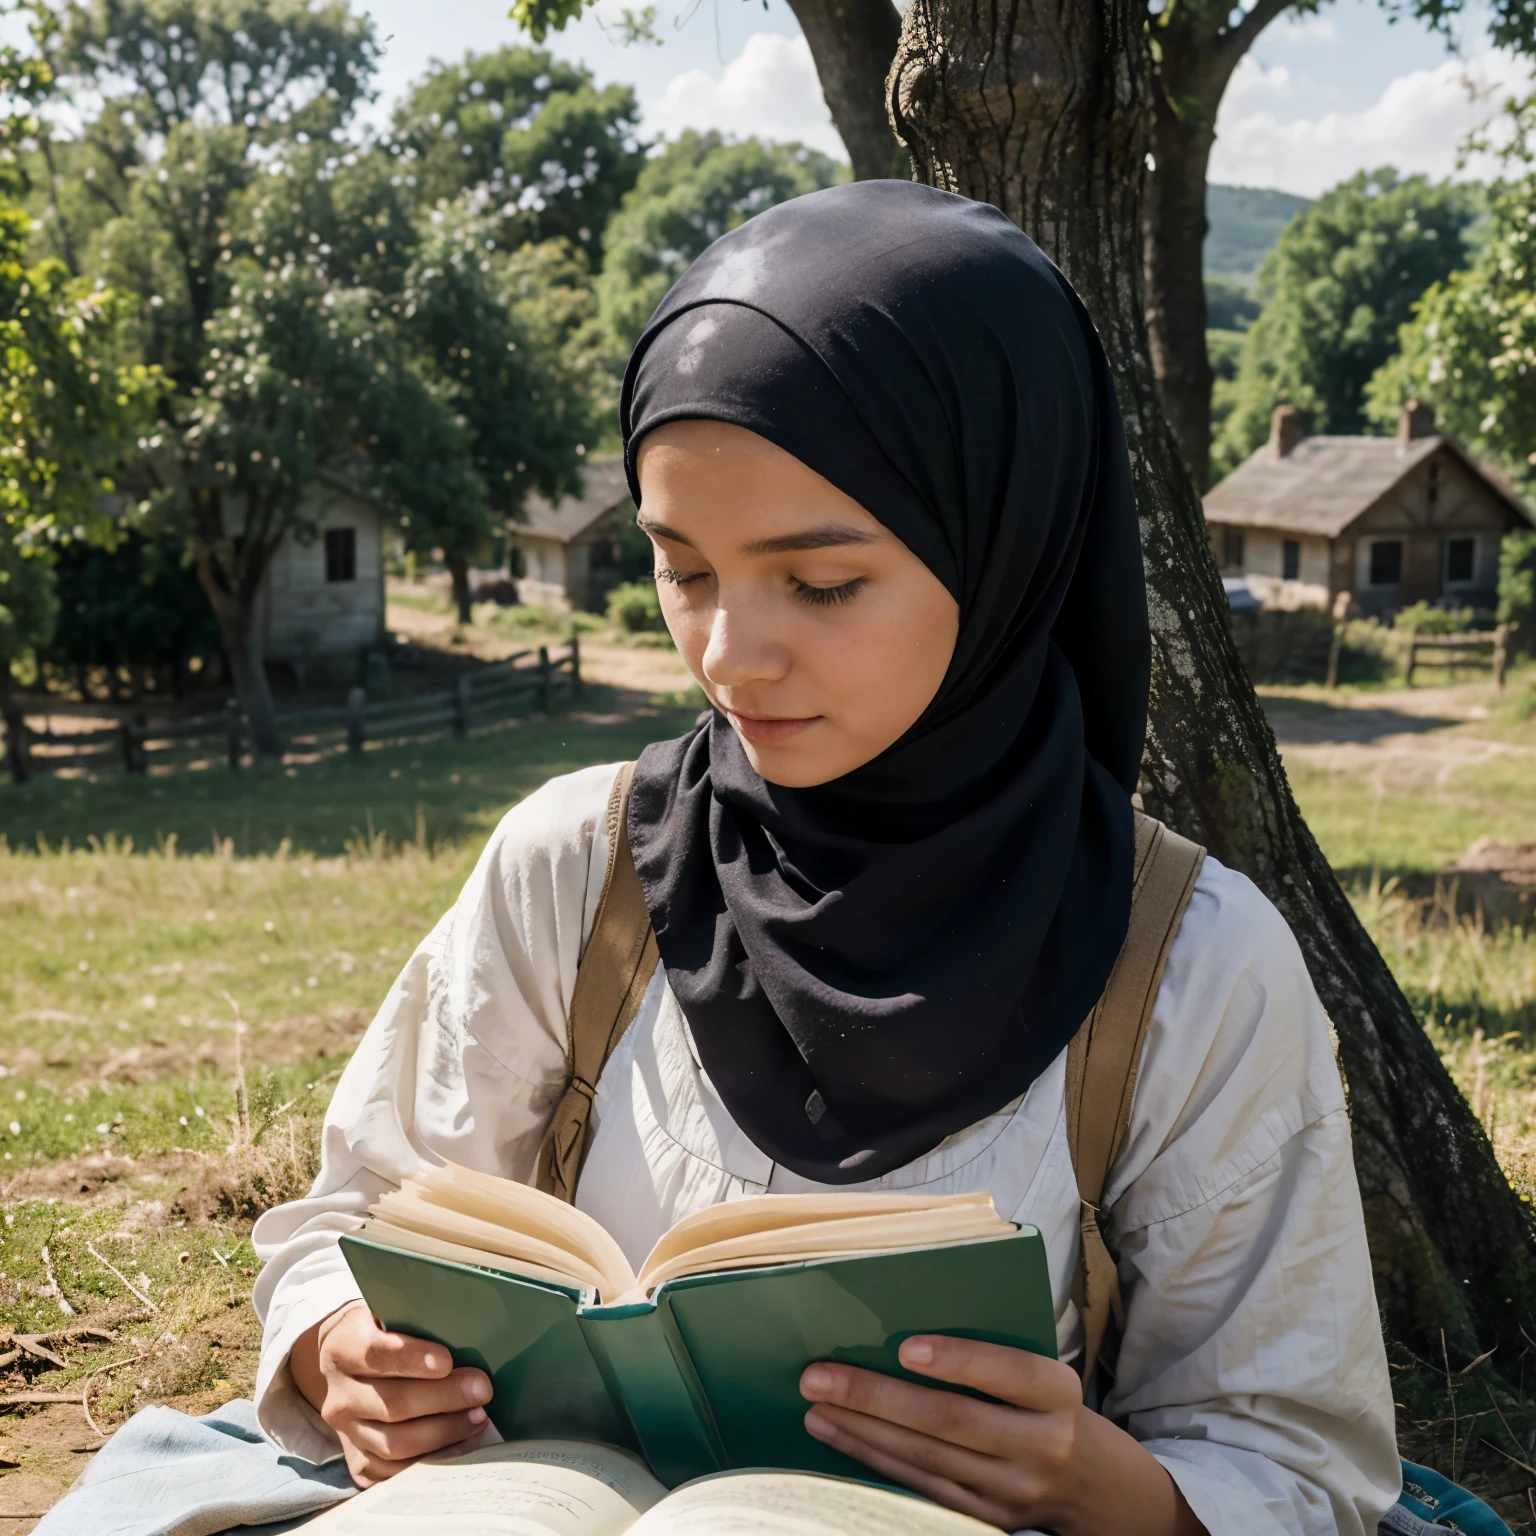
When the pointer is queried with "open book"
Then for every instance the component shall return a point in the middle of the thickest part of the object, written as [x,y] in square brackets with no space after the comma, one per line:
[566,1488]
[695,1361]
[476,1218]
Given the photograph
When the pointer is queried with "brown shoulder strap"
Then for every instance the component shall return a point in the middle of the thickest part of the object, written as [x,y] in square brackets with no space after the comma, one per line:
[1102,1062]
[615,970]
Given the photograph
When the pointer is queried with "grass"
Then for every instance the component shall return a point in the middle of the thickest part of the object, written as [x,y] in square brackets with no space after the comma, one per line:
[189,962]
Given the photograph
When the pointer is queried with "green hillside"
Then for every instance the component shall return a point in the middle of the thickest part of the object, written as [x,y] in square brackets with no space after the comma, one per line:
[1245,223]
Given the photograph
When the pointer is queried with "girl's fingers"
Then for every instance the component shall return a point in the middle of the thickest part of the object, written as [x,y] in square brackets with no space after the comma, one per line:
[990,1428]
[414,1438]
[394,1400]
[931,1484]
[372,1352]
[1010,1375]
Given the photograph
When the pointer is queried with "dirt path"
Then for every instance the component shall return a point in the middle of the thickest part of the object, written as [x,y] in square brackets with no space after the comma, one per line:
[1403,740]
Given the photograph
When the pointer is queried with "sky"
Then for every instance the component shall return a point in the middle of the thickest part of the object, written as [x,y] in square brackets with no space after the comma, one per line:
[1317,99]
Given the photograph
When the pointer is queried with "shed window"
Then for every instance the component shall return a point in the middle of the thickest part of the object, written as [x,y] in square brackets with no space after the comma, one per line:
[1290,559]
[340,554]
[1386,562]
[1232,549]
[1459,558]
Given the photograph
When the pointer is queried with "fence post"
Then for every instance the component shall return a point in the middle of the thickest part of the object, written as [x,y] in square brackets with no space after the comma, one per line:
[575,665]
[18,754]
[1500,653]
[1413,660]
[546,691]
[234,734]
[134,730]
[461,704]
[357,726]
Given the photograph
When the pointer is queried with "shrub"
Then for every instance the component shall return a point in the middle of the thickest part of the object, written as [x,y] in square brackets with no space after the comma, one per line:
[635,608]
[1426,619]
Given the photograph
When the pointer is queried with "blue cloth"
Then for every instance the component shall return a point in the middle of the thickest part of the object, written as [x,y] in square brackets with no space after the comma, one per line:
[1431,1503]
[164,1474]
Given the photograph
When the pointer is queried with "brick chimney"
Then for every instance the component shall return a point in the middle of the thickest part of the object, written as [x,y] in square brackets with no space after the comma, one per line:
[1417,420]
[1284,430]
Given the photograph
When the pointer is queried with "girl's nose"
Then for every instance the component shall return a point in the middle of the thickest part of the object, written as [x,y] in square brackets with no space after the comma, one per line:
[741,650]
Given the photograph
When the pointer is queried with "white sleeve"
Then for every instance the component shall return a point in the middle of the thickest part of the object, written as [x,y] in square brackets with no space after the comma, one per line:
[464,1062]
[1252,1364]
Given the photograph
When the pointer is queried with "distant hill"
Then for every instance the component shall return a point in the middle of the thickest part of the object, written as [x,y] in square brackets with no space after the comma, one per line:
[1245,223]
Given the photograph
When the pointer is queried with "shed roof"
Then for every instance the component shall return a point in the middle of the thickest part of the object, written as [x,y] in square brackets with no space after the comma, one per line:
[1324,483]
[603,488]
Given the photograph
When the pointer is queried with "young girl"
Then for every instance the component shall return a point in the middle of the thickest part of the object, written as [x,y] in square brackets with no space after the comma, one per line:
[873,438]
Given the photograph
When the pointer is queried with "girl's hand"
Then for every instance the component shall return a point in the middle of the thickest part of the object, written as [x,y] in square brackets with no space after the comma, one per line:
[1035,1458]
[390,1398]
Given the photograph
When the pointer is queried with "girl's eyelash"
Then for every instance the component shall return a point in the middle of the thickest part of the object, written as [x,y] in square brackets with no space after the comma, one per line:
[677,578]
[825,597]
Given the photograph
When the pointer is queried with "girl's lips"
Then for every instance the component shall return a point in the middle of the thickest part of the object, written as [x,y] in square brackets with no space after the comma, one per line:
[768,731]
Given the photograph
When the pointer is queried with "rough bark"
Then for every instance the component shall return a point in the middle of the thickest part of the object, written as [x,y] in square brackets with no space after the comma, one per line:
[1195,56]
[238,630]
[852,44]
[463,598]
[1046,111]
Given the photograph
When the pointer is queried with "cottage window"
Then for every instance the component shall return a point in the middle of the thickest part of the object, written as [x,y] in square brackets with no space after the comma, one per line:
[1290,560]
[1386,562]
[340,554]
[1459,561]
[1232,549]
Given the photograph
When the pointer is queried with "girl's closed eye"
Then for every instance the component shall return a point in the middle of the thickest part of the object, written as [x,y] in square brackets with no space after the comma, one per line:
[678,578]
[822,597]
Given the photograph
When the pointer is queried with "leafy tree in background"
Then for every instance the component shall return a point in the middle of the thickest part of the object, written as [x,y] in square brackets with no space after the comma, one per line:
[545,154]
[695,190]
[511,363]
[1341,280]
[283,291]
[1470,347]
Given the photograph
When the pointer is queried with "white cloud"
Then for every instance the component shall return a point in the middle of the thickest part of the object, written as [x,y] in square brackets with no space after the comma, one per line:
[769,89]
[1417,124]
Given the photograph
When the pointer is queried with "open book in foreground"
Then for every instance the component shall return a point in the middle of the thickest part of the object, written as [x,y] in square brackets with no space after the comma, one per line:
[695,1361]
[567,1488]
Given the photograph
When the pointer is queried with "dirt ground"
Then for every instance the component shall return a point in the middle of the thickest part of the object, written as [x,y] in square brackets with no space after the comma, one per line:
[1402,740]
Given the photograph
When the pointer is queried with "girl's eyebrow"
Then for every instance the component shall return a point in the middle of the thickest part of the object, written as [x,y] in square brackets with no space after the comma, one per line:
[823,536]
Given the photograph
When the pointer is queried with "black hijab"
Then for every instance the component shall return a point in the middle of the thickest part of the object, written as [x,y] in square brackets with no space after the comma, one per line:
[872,964]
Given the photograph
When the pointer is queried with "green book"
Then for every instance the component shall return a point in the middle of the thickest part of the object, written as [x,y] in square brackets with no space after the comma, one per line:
[695,1363]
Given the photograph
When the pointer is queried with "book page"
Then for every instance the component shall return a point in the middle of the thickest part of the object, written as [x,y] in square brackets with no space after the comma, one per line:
[527,1488]
[798,1504]
[852,1232]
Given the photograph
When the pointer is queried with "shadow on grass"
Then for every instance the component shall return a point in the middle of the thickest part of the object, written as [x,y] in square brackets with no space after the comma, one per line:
[443,791]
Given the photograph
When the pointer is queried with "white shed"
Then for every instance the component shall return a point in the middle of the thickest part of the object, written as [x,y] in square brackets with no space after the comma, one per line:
[325,596]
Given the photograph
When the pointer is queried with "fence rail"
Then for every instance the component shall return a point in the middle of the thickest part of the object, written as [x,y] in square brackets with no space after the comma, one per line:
[1481,652]
[478,699]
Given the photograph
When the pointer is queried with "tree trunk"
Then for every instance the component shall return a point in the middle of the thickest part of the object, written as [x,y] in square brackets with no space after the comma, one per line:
[1175,226]
[463,598]
[242,655]
[1045,110]
[852,44]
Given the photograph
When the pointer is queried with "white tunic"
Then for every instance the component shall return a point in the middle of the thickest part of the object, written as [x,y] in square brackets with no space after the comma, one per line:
[1252,1365]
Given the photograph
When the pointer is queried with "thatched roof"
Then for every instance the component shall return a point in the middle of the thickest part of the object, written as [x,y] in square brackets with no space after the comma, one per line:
[604,488]
[1324,483]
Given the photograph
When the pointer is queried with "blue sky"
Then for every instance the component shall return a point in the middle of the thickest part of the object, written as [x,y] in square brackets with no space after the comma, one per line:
[1318,98]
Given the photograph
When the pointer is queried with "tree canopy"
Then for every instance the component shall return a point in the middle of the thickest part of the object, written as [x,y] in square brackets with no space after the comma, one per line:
[1340,281]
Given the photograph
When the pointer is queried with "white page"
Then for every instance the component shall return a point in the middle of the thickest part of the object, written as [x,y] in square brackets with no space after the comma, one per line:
[526,1488]
[798,1504]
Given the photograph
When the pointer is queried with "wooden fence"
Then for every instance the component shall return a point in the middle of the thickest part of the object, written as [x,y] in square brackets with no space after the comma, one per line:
[485,697]
[1480,652]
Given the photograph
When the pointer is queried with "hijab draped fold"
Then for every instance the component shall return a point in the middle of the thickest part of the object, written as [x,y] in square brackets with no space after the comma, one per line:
[875,963]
